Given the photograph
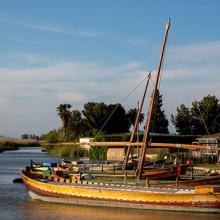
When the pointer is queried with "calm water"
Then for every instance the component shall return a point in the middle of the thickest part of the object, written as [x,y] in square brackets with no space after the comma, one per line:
[16,204]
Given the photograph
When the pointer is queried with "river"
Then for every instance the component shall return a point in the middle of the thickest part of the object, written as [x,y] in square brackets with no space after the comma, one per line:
[16,204]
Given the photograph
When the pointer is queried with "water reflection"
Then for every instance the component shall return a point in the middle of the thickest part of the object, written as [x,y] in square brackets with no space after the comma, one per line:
[36,210]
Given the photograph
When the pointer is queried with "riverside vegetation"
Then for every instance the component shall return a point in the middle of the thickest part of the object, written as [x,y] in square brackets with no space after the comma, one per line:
[202,118]
[191,123]
[7,143]
[76,151]
[54,147]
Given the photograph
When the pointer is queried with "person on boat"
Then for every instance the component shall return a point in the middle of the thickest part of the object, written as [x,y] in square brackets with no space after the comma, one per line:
[178,170]
[59,167]
[186,166]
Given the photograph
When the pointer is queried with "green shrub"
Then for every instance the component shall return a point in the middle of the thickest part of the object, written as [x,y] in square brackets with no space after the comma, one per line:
[99,137]
[161,154]
[126,137]
[98,153]
[69,151]
[52,137]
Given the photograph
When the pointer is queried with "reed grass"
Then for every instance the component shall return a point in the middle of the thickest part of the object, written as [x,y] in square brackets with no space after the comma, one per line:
[68,151]
[7,143]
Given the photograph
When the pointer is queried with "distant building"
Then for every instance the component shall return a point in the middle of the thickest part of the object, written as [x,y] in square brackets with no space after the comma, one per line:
[211,141]
[85,142]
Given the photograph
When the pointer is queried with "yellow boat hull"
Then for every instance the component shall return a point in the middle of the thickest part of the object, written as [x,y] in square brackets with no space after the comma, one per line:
[199,199]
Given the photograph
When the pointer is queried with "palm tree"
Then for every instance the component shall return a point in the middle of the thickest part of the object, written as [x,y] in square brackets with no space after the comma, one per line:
[64,113]
[132,114]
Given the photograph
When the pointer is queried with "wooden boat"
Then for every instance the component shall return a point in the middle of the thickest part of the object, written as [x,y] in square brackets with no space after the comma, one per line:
[198,181]
[157,162]
[73,191]
[130,179]
[132,176]
[181,181]
[106,167]
[166,172]
[53,176]
[46,165]
[121,175]
[197,199]
[154,172]
[43,170]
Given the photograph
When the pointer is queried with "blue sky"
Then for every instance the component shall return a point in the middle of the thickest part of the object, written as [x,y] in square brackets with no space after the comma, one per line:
[70,51]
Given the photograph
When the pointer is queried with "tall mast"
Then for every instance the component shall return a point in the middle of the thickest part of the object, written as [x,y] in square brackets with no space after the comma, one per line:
[151,107]
[136,124]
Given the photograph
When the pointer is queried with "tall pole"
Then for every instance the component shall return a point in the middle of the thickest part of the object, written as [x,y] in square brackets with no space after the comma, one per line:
[151,107]
[136,123]
[138,132]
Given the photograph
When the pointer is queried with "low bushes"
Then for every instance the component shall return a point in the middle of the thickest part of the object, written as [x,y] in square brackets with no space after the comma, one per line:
[98,153]
[68,151]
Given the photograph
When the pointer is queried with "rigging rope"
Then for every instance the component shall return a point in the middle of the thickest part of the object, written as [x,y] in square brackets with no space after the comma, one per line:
[202,119]
[122,100]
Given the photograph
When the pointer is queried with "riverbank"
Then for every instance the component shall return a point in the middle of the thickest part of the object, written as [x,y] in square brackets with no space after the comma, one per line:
[65,151]
[7,143]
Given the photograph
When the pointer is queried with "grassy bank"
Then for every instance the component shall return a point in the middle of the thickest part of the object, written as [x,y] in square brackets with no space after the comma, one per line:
[68,151]
[76,151]
[7,143]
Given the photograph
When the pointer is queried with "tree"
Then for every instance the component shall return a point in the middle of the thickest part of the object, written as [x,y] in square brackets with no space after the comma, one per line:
[75,127]
[132,115]
[182,120]
[206,115]
[108,117]
[159,120]
[64,113]
[94,115]
[118,122]
[52,137]
[202,118]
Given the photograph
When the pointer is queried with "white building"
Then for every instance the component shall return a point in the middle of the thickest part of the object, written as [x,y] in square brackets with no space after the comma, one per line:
[211,141]
[85,142]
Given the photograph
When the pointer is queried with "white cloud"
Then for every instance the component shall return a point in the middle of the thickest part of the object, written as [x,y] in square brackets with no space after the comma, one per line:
[191,72]
[198,52]
[71,97]
[42,27]
[29,96]
[45,27]
[30,58]
[87,34]
[18,39]
[32,94]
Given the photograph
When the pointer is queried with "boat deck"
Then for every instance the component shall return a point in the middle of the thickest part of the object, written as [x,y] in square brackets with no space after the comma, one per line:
[125,187]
